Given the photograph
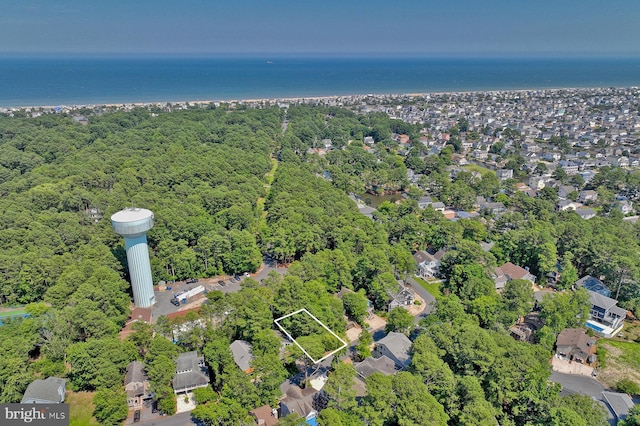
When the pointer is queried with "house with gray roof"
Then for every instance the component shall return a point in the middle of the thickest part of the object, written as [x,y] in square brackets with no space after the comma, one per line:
[604,316]
[504,174]
[428,264]
[191,373]
[395,346]
[241,351]
[587,195]
[48,391]
[586,212]
[136,384]
[427,201]
[493,208]
[625,206]
[404,297]
[370,365]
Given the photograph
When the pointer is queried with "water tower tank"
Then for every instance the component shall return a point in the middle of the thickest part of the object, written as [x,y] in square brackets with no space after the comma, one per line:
[133,223]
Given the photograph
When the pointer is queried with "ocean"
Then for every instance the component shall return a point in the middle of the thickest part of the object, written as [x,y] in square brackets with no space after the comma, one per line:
[84,81]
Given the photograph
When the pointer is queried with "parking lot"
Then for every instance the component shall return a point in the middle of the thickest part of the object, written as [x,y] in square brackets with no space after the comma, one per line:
[163,305]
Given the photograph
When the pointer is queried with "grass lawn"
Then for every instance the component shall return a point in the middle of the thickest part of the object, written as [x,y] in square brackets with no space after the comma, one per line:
[81,409]
[630,352]
[479,169]
[622,362]
[431,287]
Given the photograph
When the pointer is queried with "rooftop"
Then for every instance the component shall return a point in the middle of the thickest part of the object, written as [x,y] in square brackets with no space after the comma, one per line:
[50,390]
[370,365]
[242,356]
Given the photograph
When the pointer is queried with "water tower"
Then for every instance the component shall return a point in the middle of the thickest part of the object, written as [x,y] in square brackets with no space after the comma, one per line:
[133,223]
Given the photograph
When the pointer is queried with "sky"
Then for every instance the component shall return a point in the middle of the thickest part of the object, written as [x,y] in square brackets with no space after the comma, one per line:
[328,27]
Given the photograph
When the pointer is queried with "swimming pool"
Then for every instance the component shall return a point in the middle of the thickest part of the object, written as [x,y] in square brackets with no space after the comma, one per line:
[595,327]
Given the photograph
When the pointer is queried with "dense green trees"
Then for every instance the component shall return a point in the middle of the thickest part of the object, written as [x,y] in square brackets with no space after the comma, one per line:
[355,305]
[401,399]
[111,406]
[99,363]
[399,320]
[180,165]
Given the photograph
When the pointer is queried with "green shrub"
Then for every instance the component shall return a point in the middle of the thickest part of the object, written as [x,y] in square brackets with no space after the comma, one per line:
[628,386]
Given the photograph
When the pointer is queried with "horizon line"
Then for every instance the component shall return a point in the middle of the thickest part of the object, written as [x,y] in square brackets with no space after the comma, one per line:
[312,55]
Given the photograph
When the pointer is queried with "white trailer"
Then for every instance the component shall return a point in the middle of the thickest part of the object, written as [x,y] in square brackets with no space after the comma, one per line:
[190,293]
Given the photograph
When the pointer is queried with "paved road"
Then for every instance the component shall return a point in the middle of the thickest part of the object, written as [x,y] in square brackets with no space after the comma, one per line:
[267,267]
[572,383]
[428,298]
[182,419]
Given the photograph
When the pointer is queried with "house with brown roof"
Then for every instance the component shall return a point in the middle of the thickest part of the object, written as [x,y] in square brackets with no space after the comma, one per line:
[307,402]
[525,327]
[508,272]
[574,344]
[138,314]
[265,416]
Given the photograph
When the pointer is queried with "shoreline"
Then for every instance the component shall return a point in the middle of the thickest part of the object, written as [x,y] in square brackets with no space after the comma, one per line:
[291,99]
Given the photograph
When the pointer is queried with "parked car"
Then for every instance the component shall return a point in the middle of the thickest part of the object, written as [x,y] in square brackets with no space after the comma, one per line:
[222,284]
[175,302]
[246,274]
[136,416]
[191,280]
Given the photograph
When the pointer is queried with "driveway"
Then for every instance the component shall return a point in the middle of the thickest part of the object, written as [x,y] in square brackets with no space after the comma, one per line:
[564,366]
[429,300]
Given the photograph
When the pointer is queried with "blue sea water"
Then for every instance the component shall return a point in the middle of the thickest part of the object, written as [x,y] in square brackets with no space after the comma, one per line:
[81,81]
